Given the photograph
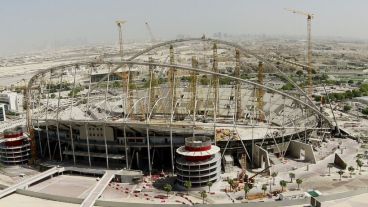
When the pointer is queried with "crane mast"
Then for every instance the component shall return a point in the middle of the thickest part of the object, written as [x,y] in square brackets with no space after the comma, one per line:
[309,47]
[153,39]
[309,57]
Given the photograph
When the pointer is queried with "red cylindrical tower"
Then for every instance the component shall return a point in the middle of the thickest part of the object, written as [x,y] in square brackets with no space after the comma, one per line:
[14,147]
[199,162]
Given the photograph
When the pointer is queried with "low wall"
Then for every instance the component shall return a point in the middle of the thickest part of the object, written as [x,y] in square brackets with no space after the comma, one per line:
[45,196]
[122,204]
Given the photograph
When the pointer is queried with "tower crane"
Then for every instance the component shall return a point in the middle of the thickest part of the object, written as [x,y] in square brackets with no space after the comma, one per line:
[120,23]
[153,39]
[309,47]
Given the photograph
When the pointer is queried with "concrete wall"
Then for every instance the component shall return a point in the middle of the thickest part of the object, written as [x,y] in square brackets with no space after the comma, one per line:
[339,162]
[260,155]
[96,133]
[294,151]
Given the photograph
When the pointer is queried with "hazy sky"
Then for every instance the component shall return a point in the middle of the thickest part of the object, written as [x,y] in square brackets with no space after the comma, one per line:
[38,24]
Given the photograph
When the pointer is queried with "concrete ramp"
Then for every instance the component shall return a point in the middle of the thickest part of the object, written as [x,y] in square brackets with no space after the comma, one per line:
[95,193]
[29,181]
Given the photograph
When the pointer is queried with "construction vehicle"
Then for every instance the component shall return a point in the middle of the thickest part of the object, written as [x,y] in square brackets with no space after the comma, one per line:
[250,180]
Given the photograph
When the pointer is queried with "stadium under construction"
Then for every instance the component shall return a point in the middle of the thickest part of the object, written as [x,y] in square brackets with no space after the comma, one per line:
[135,112]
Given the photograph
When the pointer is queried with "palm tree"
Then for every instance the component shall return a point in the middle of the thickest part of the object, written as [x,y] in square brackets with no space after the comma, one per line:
[246,190]
[299,73]
[203,195]
[209,184]
[329,165]
[292,176]
[351,170]
[340,172]
[230,182]
[274,175]
[167,188]
[187,185]
[299,181]
[359,164]
[283,184]
[264,188]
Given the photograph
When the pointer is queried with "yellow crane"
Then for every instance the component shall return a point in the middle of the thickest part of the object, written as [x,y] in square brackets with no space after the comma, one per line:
[309,47]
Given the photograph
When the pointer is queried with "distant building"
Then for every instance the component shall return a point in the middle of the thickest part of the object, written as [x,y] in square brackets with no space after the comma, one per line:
[12,101]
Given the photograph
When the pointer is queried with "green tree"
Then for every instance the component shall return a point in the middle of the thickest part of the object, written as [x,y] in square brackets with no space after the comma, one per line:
[209,185]
[299,73]
[357,93]
[365,111]
[230,182]
[52,95]
[360,165]
[203,195]
[274,175]
[364,87]
[283,185]
[287,87]
[350,81]
[264,188]
[351,170]
[244,76]
[347,108]
[167,188]
[187,185]
[292,176]
[299,181]
[349,94]
[317,98]
[204,80]
[340,172]
[246,190]
[116,84]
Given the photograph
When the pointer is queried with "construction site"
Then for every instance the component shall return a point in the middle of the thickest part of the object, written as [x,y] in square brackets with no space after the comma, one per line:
[189,121]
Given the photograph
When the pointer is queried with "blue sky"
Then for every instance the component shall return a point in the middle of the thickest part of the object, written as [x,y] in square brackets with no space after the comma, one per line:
[37,24]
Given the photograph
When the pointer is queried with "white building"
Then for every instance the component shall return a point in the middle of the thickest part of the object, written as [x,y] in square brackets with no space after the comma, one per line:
[13,101]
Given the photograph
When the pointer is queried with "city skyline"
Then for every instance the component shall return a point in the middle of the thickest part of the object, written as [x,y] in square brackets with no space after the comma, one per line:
[40,24]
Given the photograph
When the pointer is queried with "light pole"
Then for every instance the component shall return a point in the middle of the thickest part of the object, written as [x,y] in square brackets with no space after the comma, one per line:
[270,185]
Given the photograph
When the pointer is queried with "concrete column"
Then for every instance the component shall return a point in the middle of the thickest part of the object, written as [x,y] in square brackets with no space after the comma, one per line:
[87,139]
[106,150]
[71,138]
